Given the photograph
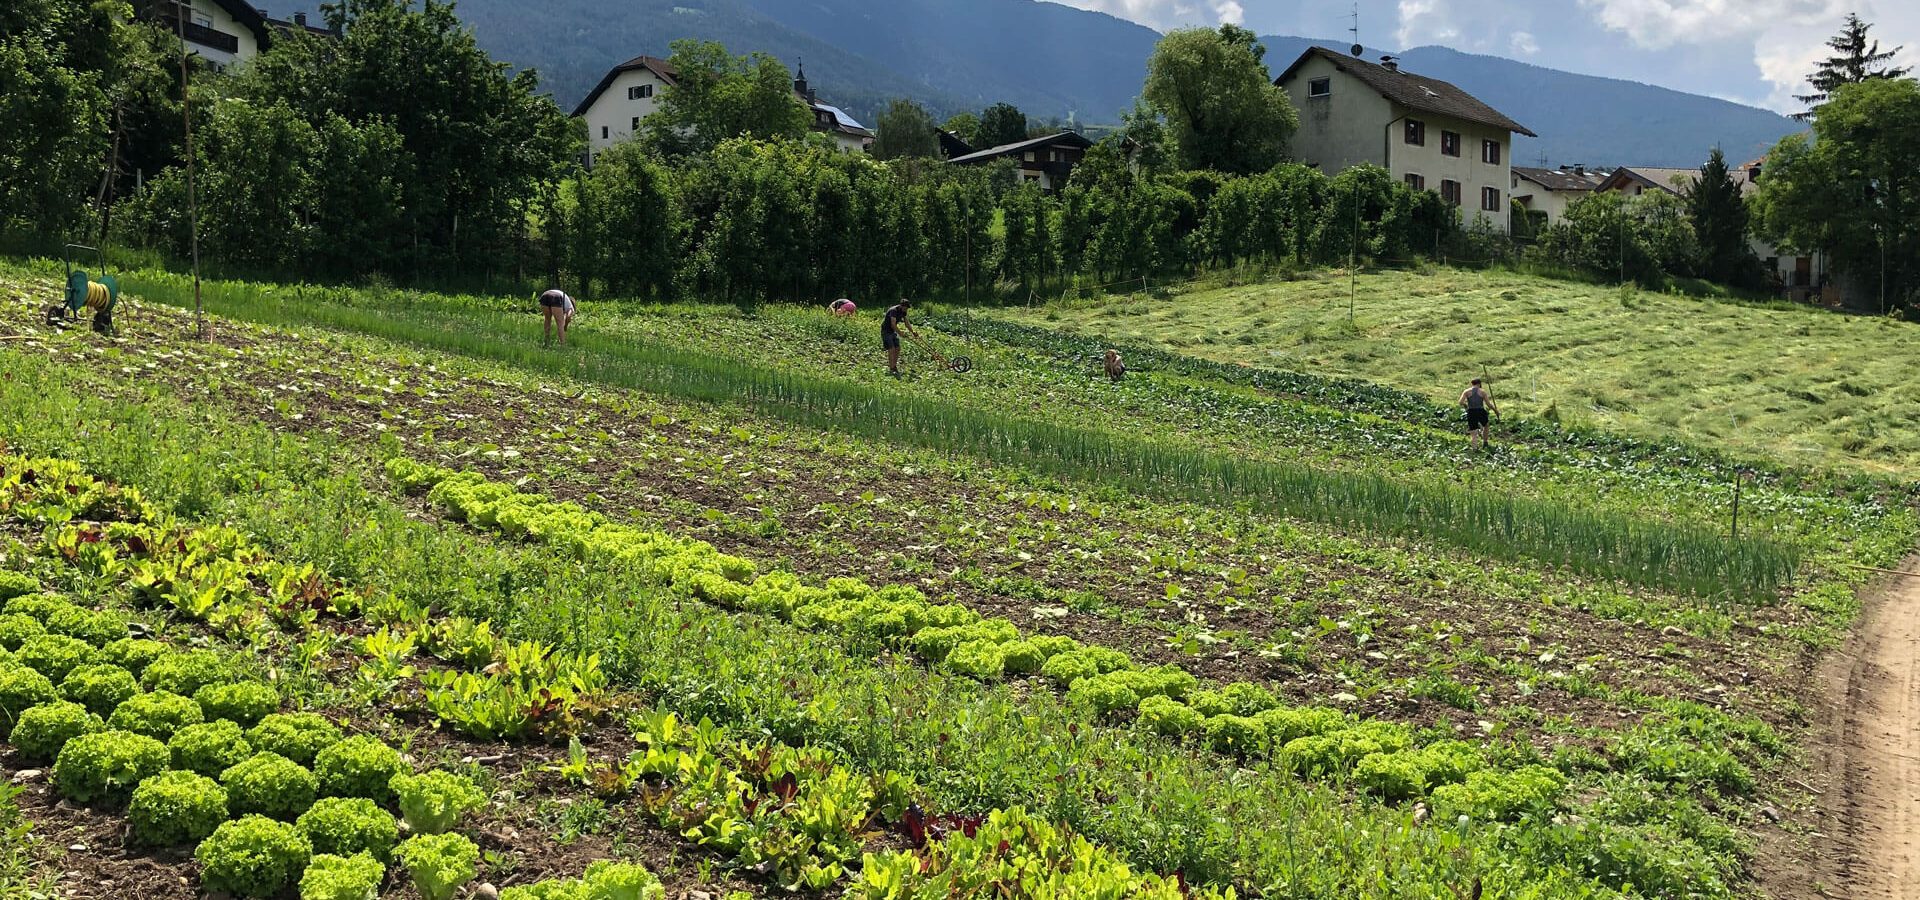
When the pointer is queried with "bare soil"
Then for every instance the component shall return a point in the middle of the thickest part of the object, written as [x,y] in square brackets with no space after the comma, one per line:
[1864,826]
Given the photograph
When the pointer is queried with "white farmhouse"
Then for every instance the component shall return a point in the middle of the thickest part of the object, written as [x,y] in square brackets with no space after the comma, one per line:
[1424,131]
[221,32]
[631,91]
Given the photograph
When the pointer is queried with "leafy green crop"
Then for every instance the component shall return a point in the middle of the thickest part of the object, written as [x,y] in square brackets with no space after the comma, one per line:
[331,877]
[107,765]
[43,730]
[209,748]
[175,808]
[268,784]
[253,856]
[344,826]
[439,863]
[433,801]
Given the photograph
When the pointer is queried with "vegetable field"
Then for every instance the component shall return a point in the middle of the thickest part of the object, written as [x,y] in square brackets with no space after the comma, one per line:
[371,595]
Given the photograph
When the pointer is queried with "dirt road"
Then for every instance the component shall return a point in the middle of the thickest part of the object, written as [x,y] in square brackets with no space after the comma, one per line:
[1874,758]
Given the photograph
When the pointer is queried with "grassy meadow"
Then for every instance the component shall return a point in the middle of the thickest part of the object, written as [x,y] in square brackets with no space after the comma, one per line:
[1801,385]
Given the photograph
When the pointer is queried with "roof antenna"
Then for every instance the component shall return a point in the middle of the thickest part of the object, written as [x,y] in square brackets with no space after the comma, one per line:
[1359,49]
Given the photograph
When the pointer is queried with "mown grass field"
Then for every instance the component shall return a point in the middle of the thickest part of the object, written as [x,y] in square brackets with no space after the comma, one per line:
[1796,384]
[809,636]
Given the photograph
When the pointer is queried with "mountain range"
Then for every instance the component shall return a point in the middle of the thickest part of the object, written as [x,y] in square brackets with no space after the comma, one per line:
[1068,65]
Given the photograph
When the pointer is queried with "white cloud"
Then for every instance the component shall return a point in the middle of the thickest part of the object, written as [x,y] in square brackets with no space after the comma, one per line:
[1479,26]
[1524,44]
[1787,36]
[1165,14]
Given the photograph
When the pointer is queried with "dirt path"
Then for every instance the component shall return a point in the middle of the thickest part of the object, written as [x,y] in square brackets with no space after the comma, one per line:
[1875,756]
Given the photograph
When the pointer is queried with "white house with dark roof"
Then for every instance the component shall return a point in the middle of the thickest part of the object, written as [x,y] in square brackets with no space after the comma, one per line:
[1426,132]
[631,91]
[1551,191]
[221,32]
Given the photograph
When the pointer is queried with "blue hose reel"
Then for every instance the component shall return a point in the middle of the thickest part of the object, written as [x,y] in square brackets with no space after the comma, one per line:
[85,292]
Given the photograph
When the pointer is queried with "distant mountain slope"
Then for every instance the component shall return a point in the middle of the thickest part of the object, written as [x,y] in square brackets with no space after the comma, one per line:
[1586,118]
[1054,61]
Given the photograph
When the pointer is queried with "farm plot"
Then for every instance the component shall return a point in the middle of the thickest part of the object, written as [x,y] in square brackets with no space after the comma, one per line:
[1606,687]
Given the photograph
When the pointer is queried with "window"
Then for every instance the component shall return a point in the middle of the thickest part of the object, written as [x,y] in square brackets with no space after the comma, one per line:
[1450,191]
[1490,152]
[1031,157]
[636,125]
[1449,143]
[1320,87]
[1490,199]
[1416,133]
[640,92]
[1417,182]
[604,129]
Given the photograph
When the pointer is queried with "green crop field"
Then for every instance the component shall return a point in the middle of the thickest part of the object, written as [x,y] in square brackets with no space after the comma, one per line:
[370,594]
[1796,384]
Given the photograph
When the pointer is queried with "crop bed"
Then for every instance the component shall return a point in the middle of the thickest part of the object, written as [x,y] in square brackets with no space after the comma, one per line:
[1374,686]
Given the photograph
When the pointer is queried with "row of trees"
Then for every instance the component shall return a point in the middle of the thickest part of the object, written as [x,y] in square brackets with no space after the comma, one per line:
[785,219]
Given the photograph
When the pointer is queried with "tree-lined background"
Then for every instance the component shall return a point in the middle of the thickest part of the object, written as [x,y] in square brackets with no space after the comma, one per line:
[399,150]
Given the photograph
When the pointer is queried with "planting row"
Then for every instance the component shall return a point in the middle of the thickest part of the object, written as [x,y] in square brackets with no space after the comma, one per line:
[1675,557]
[972,747]
[1384,759]
[795,814]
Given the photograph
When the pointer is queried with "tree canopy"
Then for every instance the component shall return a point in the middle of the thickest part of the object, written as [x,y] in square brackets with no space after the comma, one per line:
[717,97]
[1856,59]
[1853,190]
[1222,107]
[1719,215]
[905,130]
[1001,124]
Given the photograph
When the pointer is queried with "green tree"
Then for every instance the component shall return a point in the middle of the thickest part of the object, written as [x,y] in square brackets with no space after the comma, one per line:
[55,71]
[966,126]
[906,130]
[1598,234]
[1002,124]
[483,141]
[1222,107]
[1853,190]
[1856,59]
[1719,216]
[718,97]
[627,229]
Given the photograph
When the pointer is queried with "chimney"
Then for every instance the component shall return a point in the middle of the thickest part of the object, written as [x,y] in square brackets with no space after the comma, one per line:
[300,19]
[1392,63]
[1580,169]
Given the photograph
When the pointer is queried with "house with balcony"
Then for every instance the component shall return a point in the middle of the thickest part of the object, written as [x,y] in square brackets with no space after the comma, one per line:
[220,32]
[1426,132]
[1046,162]
[631,91]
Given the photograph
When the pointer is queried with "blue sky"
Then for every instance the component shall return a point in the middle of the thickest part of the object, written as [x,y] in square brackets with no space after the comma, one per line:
[1751,51]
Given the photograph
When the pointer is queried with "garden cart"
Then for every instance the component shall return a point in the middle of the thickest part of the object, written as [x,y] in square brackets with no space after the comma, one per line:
[960,364]
[84,292]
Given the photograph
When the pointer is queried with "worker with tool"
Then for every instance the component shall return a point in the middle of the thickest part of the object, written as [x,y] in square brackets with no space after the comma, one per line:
[1478,400]
[890,325]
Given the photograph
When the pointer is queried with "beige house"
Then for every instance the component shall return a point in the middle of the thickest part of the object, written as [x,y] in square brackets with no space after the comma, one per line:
[221,32]
[631,91]
[1426,132]
[1550,191]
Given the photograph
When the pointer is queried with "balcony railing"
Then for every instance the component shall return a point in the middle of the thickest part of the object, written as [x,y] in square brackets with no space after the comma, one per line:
[168,15]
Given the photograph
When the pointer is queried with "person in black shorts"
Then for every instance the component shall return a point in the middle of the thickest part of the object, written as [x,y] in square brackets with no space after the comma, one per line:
[556,309]
[1478,401]
[890,325]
